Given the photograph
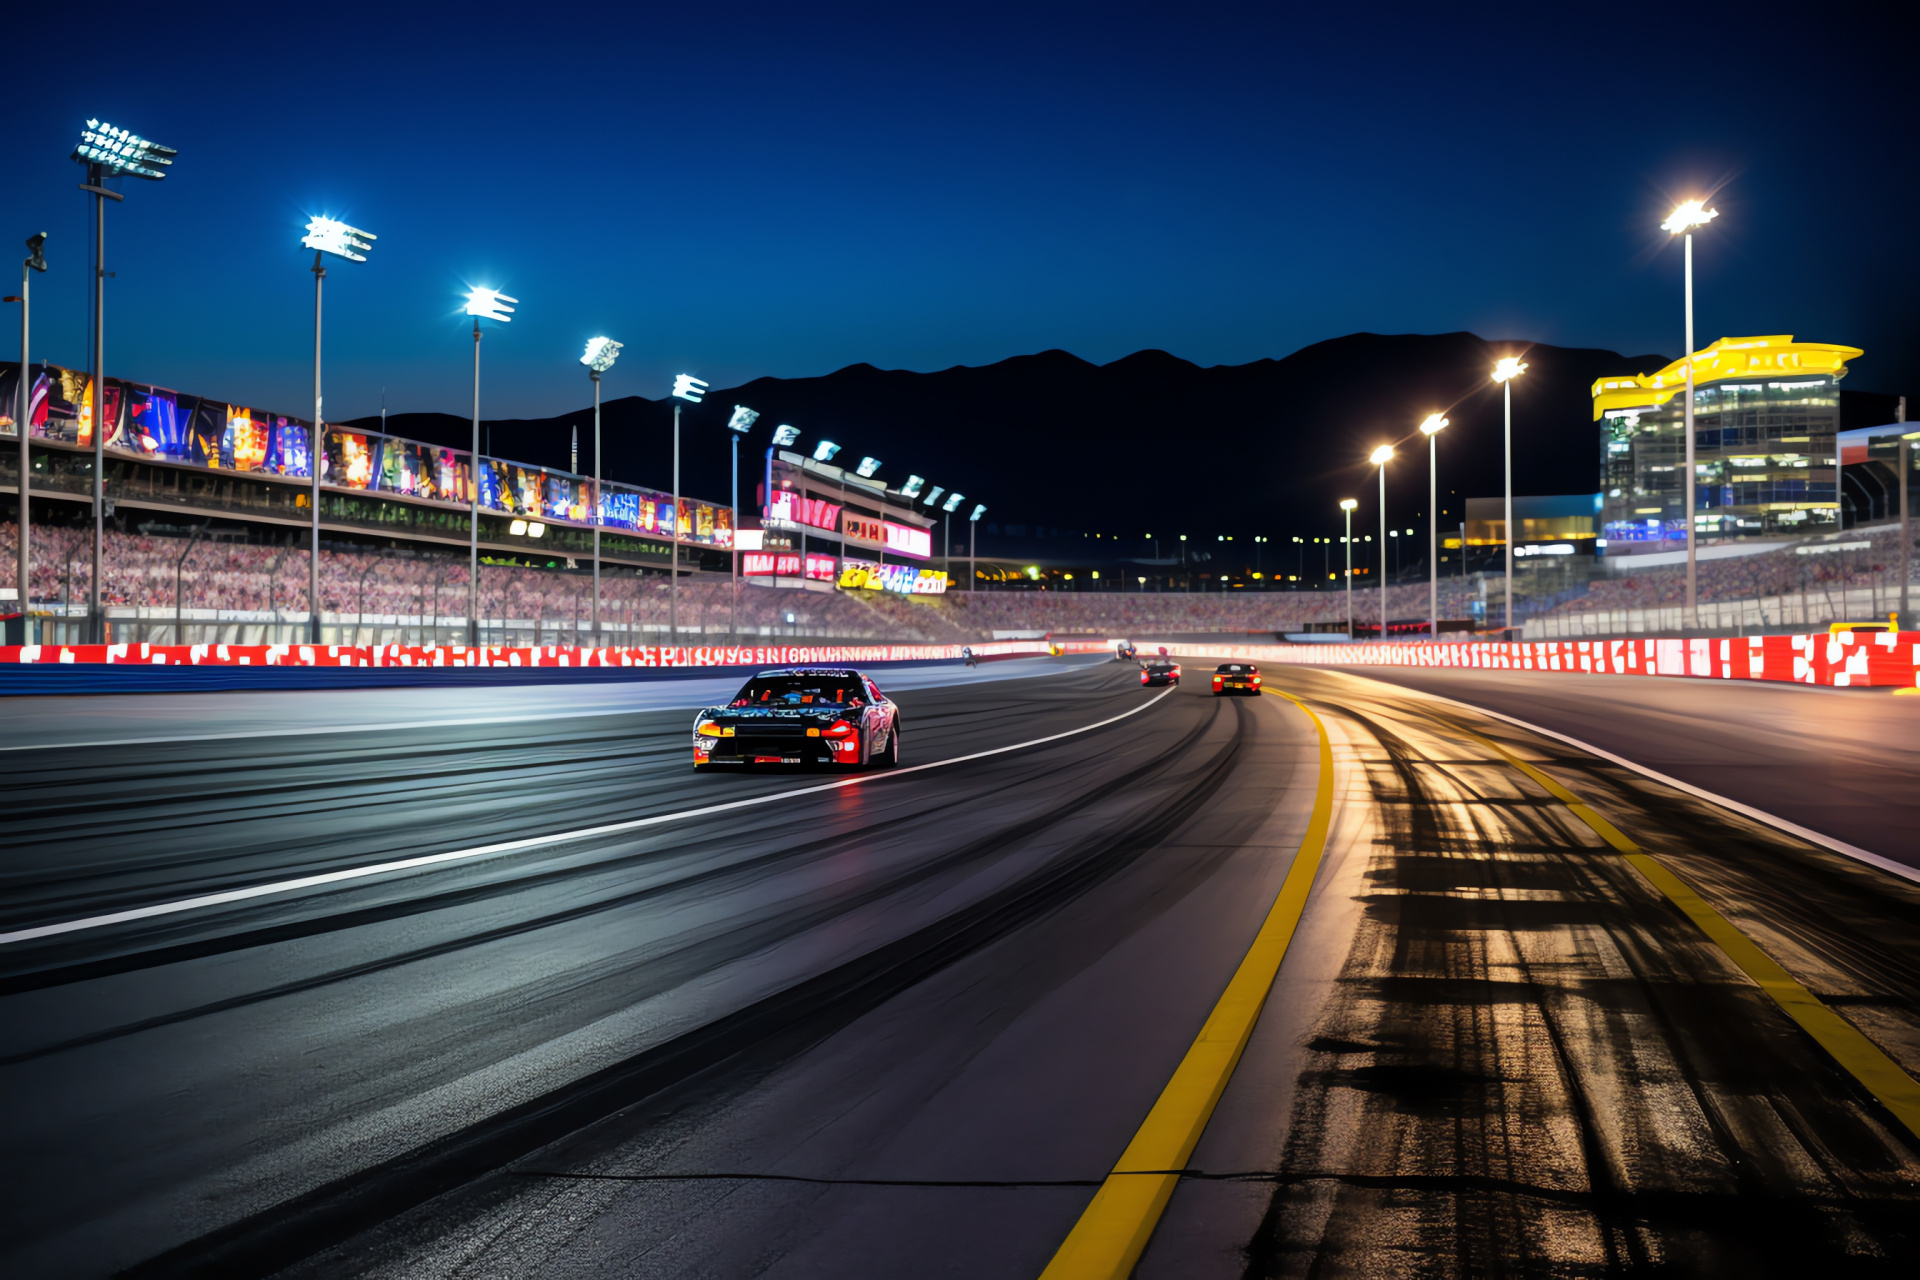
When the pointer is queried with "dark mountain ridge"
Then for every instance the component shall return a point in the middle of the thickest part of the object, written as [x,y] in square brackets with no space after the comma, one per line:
[1057,446]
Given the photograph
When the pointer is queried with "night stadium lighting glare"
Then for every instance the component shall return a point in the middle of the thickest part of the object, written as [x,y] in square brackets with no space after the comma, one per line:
[1682,222]
[1505,370]
[600,354]
[121,153]
[743,419]
[482,304]
[1347,505]
[784,435]
[933,495]
[953,502]
[1688,215]
[34,262]
[911,489]
[824,451]
[867,467]
[598,357]
[978,511]
[326,235]
[689,388]
[487,304]
[1431,429]
[1434,425]
[1381,456]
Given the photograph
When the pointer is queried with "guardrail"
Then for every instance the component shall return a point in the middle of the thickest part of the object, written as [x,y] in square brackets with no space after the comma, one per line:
[1846,660]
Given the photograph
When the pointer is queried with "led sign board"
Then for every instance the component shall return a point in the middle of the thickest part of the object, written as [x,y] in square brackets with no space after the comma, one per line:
[789,507]
[749,539]
[863,529]
[909,541]
[902,579]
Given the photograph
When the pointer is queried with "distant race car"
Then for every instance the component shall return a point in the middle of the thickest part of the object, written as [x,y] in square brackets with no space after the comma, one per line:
[1160,672]
[1236,677]
[800,716]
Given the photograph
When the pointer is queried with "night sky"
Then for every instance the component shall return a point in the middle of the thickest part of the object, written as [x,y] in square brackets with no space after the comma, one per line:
[735,191]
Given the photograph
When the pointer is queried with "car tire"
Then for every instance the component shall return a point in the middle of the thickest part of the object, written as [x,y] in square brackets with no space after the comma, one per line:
[891,756]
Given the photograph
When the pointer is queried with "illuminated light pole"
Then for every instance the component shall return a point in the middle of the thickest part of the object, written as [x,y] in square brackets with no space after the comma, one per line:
[973,522]
[1380,458]
[324,236]
[691,389]
[1347,505]
[740,423]
[1431,429]
[482,304]
[1504,372]
[108,152]
[1681,222]
[599,357]
[23,416]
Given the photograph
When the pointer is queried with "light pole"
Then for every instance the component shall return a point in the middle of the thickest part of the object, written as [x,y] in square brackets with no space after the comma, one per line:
[1431,429]
[324,235]
[1380,458]
[482,304]
[1505,370]
[599,357]
[23,398]
[108,152]
[973,523]
[739,423]
[1347,505]
[1681,222]
[691,389]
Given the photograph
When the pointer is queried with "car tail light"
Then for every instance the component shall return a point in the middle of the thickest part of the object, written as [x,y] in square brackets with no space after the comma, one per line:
[1143,677]
[1256,679]
[838,729]
[707,729]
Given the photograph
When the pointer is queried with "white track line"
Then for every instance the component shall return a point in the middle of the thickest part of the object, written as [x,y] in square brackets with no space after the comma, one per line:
[531,842]
[1872,859]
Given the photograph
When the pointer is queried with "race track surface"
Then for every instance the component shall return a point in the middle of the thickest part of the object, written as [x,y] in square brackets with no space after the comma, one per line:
[766,1024]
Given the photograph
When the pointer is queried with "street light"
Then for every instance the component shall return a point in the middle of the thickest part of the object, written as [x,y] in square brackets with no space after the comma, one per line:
[598,357]
[1347,505]
[324,236]
[692,390]
[1431,428]
[1505,370]
[482,304]
[1380,458]
[1681,222]
[973,523]
[108,152]
[740,423]
[23,396]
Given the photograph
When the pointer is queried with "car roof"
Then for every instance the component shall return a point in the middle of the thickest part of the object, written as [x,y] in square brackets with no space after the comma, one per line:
[808,671]
[1237,666]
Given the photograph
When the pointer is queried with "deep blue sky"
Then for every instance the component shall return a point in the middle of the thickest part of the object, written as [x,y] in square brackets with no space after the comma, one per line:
[741,190]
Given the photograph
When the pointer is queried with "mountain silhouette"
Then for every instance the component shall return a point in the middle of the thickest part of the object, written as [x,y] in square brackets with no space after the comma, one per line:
[1058,447]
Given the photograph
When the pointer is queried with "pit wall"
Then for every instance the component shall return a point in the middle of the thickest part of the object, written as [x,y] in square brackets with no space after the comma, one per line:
[1848,660]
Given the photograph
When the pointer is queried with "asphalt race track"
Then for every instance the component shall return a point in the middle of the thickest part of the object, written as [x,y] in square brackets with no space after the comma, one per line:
[906,1026]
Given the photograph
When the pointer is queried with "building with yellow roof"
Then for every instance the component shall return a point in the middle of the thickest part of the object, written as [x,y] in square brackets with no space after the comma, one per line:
[1766,411]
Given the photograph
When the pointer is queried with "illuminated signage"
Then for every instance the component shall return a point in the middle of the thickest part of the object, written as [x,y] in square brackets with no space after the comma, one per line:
[761,564]
[863,529]
[909,541]
[822,568]
[790,508]
[902,579]
[749,539]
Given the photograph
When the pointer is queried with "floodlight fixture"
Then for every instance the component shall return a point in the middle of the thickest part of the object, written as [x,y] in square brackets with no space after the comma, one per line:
[935,495]
[36,251]
[1348,504]
[518,528]
[913,486]
[1434,425]
[1508,368]
[688,388]
[337,238]
[535,529]
[953,502]
[785,435]
[824,451]
[1382,456]
[743,419]
[1690,214]
[122,154]
[487,304]
[979,510]
[600,354]
[867,467]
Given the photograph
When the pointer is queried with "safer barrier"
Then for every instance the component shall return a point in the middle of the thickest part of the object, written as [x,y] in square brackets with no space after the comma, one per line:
[549,656]
[1847,660]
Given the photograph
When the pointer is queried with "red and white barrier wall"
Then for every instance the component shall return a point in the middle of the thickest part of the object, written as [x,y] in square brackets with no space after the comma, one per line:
[396,655]
[1847,660]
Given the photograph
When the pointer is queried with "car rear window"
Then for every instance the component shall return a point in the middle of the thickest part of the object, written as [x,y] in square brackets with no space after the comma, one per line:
[1237,668]
[801,691]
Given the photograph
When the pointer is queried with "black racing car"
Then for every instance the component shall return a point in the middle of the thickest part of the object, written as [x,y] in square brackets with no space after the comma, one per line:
[1159,672]
[800,716]
[1236,677]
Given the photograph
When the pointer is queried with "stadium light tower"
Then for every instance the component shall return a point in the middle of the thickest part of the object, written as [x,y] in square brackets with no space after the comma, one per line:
[1681,222]
[973,523]
[1431,429]
[740,423]
[482,304]
[1347,505]
[1380,458]
[692,390]
[599,357]
[35,260]
[324,236]
[1505,370]
[108,152]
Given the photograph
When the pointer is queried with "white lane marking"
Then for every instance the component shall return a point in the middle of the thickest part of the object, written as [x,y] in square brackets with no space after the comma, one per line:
[1841,847]
[531,842]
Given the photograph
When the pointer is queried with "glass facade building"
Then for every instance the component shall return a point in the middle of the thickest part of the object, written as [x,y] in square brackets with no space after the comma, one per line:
[1766,412]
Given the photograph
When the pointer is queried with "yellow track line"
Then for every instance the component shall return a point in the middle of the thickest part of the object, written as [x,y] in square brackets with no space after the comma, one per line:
[1884,1078]
[1113,1232]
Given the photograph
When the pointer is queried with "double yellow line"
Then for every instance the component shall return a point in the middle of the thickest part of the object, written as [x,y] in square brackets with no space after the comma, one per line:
[1110,1236]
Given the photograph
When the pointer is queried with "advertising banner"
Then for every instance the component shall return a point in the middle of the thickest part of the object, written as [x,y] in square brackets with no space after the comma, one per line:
[908,540]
